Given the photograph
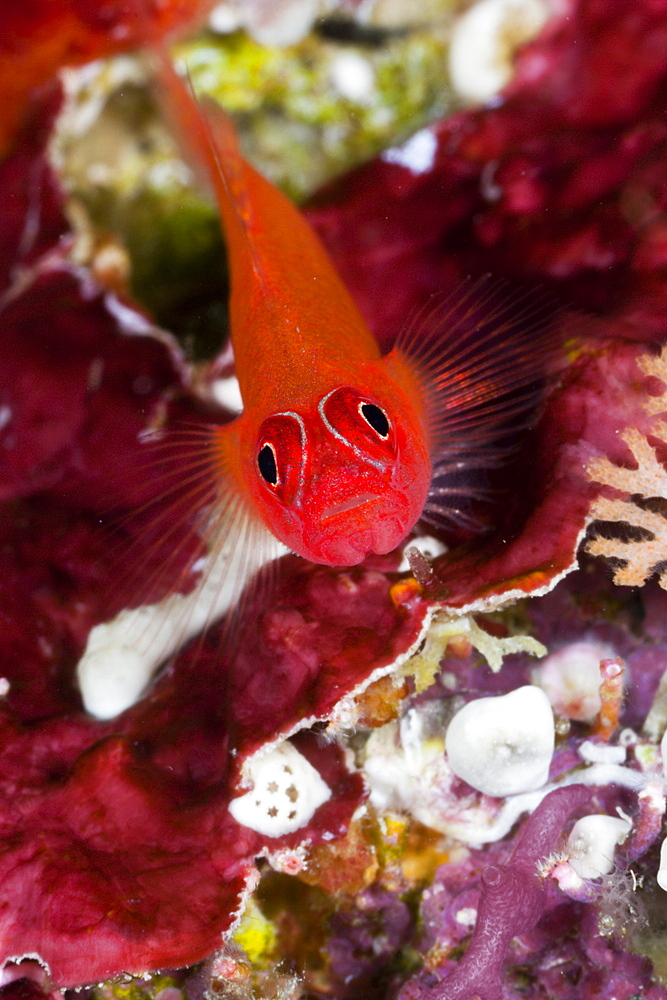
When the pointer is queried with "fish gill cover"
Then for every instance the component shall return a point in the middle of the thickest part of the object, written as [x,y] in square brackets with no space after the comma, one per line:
[119,852]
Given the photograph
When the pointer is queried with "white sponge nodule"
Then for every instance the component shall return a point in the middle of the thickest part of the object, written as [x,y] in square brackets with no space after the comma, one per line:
[592,842]
[503,745]
[286,792]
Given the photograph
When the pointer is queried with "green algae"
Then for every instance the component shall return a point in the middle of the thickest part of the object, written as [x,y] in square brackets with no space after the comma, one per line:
[311,111]
[305,114]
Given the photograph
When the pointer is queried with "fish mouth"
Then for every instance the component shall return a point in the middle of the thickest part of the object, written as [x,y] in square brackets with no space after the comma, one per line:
[346,505]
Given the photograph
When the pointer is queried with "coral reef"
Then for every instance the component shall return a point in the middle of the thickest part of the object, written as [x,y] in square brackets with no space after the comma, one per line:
[646,483]
[293,813]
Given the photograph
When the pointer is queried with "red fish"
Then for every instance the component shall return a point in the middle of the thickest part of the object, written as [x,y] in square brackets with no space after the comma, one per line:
[339,451]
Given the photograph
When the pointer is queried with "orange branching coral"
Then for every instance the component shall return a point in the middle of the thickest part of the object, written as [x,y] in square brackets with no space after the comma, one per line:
[648,481]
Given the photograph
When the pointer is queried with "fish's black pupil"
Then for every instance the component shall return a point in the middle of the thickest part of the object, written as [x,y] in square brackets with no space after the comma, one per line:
[266,461]
[374,416]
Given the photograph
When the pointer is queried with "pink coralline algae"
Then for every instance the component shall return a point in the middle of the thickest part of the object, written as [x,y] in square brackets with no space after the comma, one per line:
[511,901]
[118,851]
[562,956]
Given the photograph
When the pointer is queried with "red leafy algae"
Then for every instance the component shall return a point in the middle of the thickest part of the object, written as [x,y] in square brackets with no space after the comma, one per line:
[582,128]
[121,830]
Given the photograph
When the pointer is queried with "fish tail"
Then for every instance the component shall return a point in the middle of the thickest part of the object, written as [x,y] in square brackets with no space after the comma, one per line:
[205,134]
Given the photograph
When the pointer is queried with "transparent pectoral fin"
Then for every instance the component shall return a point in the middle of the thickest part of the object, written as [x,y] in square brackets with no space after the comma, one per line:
[205,547]
[484,358]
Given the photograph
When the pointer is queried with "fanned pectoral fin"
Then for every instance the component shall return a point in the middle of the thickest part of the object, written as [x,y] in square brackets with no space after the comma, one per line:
[483,358]
[203,546]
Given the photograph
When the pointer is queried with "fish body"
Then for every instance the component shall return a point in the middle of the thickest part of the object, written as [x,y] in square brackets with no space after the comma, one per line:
[331,451]
[339,450]
[331,448]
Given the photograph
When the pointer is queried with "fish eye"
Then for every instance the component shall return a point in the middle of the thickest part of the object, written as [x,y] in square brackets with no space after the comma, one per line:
[375,418]
[360,423]
[266,463]
[280,455]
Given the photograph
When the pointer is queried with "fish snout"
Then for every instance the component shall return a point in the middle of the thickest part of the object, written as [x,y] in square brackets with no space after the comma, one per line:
[351,504]
[360,525]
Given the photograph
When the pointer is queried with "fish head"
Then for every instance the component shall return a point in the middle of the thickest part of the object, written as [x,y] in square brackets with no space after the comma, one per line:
[343,478]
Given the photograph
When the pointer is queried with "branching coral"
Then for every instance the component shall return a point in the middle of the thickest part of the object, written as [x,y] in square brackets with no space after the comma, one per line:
[423,667]
[511,901]
[641,557]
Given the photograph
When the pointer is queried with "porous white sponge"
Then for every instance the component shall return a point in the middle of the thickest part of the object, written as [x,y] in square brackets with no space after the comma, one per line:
[503,746]
[286,791]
